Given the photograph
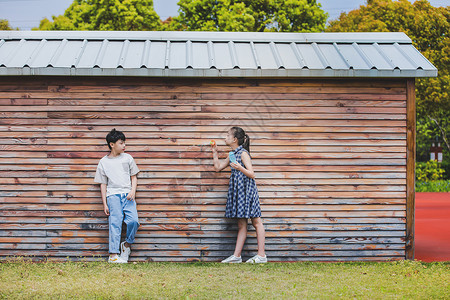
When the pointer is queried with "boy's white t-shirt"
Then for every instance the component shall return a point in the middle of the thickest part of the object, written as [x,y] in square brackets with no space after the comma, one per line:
[115,172]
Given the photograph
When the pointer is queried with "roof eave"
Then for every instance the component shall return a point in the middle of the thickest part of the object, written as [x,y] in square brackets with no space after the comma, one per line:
[146,72]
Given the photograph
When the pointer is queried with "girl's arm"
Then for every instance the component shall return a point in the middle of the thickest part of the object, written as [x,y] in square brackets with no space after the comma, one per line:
[248,170]
[219,165]
[131,194]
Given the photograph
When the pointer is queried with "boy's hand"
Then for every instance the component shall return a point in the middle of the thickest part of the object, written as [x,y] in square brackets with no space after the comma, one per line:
[106,209]
[130,196]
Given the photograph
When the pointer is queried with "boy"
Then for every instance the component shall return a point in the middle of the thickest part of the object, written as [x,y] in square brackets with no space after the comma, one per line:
[116,174]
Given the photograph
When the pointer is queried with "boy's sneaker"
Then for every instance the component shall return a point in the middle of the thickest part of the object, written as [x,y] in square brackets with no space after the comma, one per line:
[232,260]
[257,260]
[125,252]
[116,260]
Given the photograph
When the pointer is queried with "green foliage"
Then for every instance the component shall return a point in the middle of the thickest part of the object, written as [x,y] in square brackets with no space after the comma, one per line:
[59,23]
[433,186]
[429,177]
[428,27]
[429,171]
[127,15]
[4,25]
[204,15]
[300,16]
[249,15]
[446,164]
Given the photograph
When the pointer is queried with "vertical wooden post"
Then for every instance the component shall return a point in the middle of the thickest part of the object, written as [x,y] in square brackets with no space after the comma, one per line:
[410,165]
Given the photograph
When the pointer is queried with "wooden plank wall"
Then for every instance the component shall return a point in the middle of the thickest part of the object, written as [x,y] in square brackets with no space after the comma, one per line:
[330,158]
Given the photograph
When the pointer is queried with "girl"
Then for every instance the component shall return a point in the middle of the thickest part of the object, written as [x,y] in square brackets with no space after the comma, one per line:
[243,199]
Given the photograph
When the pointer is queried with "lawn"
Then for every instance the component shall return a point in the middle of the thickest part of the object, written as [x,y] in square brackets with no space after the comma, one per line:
[402,279]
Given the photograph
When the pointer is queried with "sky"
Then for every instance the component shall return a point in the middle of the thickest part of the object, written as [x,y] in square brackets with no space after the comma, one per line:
[26,14]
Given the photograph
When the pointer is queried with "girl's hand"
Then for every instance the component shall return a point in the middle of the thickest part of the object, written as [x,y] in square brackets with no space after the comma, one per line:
[236,166]
[106,210]
[130,196]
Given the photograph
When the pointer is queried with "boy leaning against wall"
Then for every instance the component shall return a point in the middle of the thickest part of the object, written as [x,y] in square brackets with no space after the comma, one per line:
[116,174]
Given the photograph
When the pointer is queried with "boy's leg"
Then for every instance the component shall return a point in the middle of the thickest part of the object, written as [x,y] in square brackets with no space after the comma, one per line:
[131,219]
[115,222]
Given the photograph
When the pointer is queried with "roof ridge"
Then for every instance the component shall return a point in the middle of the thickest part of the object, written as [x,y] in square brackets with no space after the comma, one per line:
[322,37]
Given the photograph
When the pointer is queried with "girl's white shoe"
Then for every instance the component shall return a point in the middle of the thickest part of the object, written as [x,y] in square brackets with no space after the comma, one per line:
[232,260]
[257,260]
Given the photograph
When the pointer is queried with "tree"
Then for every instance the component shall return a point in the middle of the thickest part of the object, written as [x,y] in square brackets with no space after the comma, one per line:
[249,15]
[4,25]
[124,15]
[428,27]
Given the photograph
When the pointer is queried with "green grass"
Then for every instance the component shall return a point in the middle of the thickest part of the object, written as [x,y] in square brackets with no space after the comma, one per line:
[391,280]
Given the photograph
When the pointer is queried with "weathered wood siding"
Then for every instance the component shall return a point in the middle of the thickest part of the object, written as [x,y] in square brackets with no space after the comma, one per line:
[330,159]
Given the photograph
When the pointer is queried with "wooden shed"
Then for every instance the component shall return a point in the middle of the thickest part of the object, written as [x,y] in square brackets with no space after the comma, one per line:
[331,117]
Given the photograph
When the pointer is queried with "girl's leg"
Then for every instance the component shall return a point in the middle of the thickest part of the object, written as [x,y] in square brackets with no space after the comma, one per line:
[242,235]
[260,235]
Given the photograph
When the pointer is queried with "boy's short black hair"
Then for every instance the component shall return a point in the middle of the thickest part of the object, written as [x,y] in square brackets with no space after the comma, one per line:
[113,136]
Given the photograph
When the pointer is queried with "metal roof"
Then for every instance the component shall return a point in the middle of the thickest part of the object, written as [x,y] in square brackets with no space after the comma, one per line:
[210,54]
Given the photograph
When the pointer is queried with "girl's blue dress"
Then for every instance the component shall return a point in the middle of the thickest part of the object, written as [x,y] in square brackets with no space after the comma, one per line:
[243,198]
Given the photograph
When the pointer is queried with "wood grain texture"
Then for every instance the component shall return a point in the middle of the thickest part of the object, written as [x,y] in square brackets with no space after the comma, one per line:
[410,167]
[334,161]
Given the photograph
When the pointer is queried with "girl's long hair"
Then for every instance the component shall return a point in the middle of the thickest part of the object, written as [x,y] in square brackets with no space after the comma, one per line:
[242,137]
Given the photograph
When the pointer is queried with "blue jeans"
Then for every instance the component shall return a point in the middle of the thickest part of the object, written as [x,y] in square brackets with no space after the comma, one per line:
[119,207]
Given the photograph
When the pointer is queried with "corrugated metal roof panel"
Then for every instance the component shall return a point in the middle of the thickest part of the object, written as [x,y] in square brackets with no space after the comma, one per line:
[67,56]
[21,53]
[111,58]
[267,58]
[90,54]
[290,60]
[245,56]
[415,55]
[211,54]
[45,55]
[134,55]
[200,58]
[222,57]
[157,55]
[329,50]
[371,51]
[353,58]
[311,57]
[396,58]
[178,56]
